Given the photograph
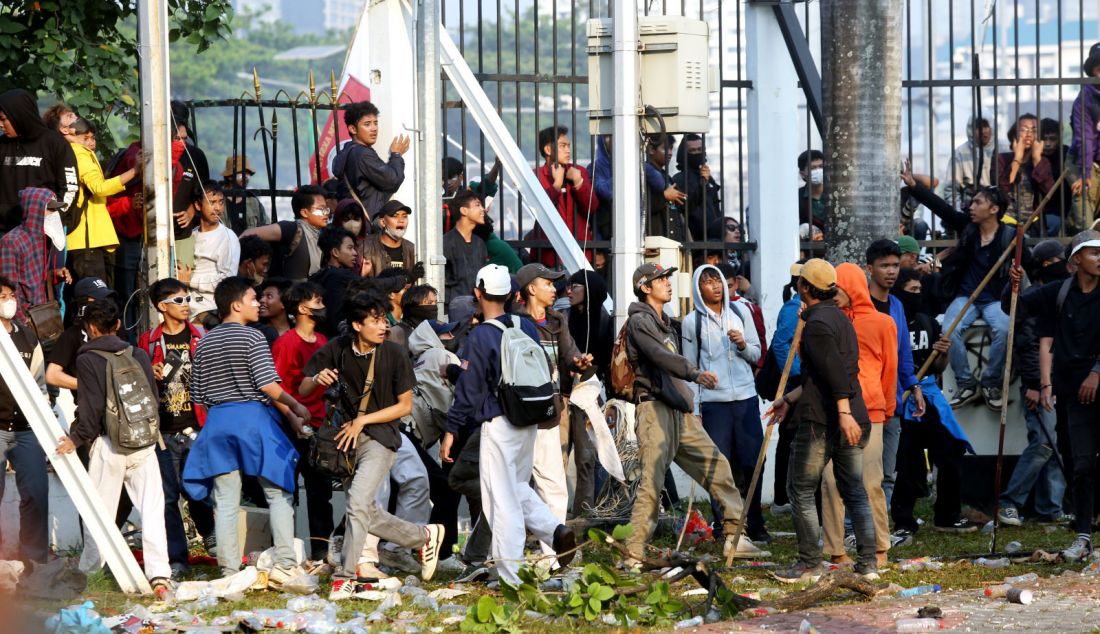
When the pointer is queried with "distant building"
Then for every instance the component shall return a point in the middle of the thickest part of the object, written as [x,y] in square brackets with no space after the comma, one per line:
[264,10]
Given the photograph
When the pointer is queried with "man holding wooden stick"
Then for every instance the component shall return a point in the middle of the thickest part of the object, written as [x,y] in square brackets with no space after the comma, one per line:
[1070,310]
[833,424]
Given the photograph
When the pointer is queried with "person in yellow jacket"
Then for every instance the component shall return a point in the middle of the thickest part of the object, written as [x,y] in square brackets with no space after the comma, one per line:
[92,244]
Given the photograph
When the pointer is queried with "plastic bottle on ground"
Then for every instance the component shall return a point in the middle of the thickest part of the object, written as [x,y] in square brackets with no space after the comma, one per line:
[694,621]
[1030,577]
[918,625]
[918,590]
[997,592]
[991,563]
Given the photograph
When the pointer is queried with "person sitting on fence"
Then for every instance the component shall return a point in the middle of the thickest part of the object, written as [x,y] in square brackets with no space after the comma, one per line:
[371,180]
[243,208]
[1025,175]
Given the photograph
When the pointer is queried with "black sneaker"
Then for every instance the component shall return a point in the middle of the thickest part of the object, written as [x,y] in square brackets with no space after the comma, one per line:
[565,544]
[761,536]
[901,537]
[799,572]
[963,396]
[869,572]
[961,526]
[993,397]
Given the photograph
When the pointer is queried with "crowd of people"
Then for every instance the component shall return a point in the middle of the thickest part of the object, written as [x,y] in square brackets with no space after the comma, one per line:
[293,355]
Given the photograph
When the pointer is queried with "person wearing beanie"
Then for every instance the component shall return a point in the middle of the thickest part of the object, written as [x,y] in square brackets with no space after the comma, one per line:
[910,251]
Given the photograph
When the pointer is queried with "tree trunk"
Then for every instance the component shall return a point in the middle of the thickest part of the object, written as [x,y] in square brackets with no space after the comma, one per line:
[861,91]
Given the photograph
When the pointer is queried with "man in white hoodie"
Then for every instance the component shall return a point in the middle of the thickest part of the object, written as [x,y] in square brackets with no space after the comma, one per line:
[716,339]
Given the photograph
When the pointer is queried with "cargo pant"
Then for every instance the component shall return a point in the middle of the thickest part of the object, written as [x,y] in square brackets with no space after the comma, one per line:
[832,507]
[667,436]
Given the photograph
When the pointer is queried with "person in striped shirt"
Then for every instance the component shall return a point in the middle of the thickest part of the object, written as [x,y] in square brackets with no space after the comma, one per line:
[234,376]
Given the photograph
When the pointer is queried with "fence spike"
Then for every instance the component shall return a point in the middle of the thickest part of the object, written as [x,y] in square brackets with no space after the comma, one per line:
[332,74]
[256,82]
[312,88]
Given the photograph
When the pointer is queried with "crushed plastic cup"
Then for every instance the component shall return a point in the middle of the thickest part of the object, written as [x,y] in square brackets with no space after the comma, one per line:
[988,528]
[424,601]
[412,591]
[1030,577]
[311,603]
[918,625]
[919,590]
[392,600]
[1013,547]
[1091,569]
[1023,596]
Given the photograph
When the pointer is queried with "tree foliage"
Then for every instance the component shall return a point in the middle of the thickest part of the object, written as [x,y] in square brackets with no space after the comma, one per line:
[85,51]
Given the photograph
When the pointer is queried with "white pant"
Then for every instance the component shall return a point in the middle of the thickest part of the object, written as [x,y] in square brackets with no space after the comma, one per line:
[139,472]
[414,502]
[507,499]
[548,477]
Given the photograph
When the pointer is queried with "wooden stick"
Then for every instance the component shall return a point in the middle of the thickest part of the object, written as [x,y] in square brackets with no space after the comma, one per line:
[1004,392]
[989,276]
[764,447]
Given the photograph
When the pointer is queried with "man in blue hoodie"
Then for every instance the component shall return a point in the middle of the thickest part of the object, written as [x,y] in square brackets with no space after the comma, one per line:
[883,264]
[716,339]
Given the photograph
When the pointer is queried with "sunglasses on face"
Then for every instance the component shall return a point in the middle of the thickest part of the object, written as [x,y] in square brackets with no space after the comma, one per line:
[178,300]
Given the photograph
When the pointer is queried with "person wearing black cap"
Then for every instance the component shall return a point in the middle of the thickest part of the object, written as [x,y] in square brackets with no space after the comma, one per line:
[386,247]
[536,285]
[667,430]
[61,364]
[1084,150]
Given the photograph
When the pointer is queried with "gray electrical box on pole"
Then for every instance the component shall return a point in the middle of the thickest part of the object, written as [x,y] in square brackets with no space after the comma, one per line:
[673,72]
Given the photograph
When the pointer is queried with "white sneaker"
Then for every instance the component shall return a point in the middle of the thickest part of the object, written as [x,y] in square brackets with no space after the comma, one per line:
[1009,516]
[429,553]
[335,555]
[745,549]
[342,589]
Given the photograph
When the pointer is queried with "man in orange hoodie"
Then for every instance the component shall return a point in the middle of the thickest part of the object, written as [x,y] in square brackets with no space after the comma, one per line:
[878,378]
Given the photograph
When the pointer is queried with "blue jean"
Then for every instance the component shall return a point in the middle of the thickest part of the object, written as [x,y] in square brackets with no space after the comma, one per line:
[127,262]
[813,447]
[1038,466]
[997,320]
[891,437]
[735,428]
[171,460]
[22,448]
[227,509]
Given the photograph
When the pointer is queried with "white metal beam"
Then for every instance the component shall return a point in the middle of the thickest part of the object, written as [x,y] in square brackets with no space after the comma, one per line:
[429,153]
[17,377]
[626,244]
[156,133]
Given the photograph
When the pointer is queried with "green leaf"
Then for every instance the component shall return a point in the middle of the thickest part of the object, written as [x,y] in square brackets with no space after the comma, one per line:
[604,593]
[8,25]
[485,607]
[591,614]
[622,532]
[596,535]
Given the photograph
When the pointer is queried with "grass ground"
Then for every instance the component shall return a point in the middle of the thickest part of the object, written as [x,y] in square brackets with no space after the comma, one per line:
[948,548]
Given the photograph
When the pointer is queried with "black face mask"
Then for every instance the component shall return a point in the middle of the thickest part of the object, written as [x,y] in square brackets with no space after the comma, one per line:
[319,315]
[452,344]
[419,312]
[1053,272]
[695,161]
[483,231]
[913,303]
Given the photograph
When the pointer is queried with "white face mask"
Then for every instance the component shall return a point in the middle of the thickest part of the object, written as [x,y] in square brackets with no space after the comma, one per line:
[8,308]
[396,234]
[354,226]
[817,176]
[54,230]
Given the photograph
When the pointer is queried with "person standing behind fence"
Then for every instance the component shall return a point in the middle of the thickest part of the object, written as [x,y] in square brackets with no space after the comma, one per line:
[217,249]
[370,178]
[569,189]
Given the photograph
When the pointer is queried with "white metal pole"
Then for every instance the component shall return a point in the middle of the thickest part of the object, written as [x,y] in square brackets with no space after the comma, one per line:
[626,226]
[84,496]
[430,182]
[156,134]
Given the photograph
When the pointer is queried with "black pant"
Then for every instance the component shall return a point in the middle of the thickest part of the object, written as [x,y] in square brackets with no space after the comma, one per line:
[318,488]
[584,456]
[444,501]
[1084,435]
[946,453]
[787,431]
[92,263]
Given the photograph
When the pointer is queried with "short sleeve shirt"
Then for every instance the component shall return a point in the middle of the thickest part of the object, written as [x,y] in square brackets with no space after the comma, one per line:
[232,362]
[393,376]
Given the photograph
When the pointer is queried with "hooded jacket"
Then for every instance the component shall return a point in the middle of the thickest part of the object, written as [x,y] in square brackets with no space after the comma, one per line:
[707,345]
[91,400]
[1084,119]
[660,371]
[37,157]
[432,394]
[878,344]
[373,180]
[96,228]
[11,418]
[554,334]
[704,203]
[964,174]
[26,255]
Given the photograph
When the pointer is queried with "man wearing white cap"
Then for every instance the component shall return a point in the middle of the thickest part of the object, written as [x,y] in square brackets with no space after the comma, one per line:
[507,451]
[1072,308]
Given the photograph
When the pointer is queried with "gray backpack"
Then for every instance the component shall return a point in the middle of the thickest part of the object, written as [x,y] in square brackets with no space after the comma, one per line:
[130,414]
[526,392]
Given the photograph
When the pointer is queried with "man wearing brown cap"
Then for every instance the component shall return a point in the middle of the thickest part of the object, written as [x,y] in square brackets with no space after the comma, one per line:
[243,208]
[833,424]
[667,430]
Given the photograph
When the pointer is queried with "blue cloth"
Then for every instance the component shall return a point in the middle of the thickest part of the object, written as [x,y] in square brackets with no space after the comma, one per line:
[243,437]
[933,397]
[601,174]
[907,376]
[785,326]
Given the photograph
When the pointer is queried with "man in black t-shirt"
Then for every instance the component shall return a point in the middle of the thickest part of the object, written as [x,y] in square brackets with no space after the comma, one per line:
[61,363]
[465,252]
[298,256]
[378,378]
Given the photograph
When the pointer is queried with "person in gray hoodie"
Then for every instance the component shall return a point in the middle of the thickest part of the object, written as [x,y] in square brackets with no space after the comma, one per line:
[668,431]
[715,338]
